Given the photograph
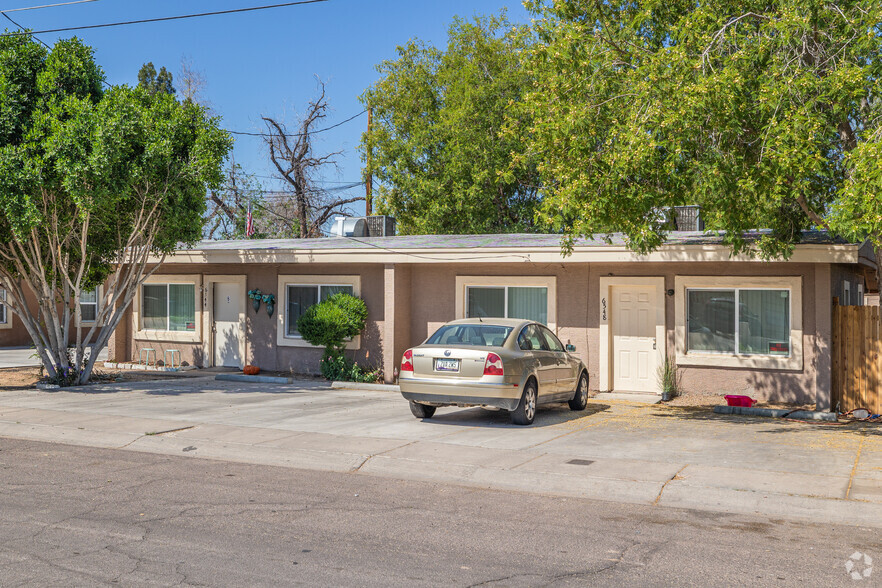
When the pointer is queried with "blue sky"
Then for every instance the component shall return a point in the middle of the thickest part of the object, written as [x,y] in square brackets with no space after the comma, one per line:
[264,62]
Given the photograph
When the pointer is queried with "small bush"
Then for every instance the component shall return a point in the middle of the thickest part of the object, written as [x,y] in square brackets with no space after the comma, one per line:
[668,376]
[339,368]
[330,324]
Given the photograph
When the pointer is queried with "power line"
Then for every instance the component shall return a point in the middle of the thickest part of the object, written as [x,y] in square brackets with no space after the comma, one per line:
[24,31]
[165,18]
[351,118]
[48,5]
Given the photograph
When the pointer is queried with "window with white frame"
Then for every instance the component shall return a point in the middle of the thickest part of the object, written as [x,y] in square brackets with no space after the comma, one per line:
[89,305]
[738,321]
[523,302]
[299,297]
[168,307]
[4,318]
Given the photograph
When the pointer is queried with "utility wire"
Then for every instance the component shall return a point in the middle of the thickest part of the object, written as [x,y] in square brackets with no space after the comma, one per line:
[343,122]
[48,5]
[24,31]
[165,18]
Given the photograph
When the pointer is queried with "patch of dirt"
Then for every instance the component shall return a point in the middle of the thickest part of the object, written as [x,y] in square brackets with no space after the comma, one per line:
[25,377]
[18,378]
[711,400]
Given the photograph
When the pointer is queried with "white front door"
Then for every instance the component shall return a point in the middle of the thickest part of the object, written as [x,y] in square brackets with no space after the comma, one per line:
[227,328]
[635,357]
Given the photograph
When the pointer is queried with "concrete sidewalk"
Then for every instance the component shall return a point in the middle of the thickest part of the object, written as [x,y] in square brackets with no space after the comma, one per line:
[614,451]
[14,357]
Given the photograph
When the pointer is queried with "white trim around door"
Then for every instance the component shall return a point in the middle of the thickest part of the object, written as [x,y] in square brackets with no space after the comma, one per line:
[606,286]
[208,305]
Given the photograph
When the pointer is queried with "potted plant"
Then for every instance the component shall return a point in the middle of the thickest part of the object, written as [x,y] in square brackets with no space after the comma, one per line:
[270,301]
[256,296]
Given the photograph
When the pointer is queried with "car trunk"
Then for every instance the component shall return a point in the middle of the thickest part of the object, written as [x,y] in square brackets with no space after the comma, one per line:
[449,362]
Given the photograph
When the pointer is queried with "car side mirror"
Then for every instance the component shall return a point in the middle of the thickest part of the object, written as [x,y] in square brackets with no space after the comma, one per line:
[571,348]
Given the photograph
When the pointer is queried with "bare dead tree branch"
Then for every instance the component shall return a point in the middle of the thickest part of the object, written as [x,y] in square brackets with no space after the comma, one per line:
[299,167]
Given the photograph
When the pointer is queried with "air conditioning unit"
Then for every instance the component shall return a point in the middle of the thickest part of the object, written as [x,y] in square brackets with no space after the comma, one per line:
[687,218]
[381,226]
[345,226]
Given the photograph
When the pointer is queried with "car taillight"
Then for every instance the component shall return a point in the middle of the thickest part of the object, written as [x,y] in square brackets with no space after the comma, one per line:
[493,365]
[407,361]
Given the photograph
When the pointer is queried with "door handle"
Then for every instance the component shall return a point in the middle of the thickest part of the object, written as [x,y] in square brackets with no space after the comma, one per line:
[653,344]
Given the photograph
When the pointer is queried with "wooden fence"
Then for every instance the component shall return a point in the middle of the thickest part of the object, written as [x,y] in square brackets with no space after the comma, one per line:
[857,358]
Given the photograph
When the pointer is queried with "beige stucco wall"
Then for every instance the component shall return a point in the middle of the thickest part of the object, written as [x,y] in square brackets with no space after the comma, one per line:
[260,329]
[578,320]
[416,298]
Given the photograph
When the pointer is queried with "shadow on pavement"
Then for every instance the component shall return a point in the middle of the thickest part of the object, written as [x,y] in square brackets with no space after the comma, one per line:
[781,425]
[546,416]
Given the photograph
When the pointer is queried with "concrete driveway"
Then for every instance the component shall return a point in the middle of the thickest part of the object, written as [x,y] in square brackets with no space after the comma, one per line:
[617,451]
[13,357]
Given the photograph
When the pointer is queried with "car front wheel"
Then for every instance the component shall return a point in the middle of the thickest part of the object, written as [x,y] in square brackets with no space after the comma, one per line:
[526,410]
[580,399]
[421,411]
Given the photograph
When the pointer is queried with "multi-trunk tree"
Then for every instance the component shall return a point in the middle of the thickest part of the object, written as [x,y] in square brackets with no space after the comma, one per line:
[94,183]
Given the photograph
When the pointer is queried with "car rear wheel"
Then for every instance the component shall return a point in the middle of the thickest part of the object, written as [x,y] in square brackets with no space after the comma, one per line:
[580,399]
[526,410]
[421,411]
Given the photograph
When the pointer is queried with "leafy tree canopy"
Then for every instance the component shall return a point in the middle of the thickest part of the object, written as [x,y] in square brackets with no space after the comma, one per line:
[767,114]
[153,82]
[91,179]
[437,146]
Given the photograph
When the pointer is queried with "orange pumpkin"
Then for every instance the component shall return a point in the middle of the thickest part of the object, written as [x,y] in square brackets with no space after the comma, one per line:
[251,370]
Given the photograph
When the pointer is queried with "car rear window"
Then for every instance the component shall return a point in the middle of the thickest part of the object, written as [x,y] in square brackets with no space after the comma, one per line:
[474,335]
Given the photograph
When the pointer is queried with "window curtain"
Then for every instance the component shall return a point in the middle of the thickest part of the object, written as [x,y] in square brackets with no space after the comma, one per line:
[711,321]
[299,299]
[528,303]
[764,322]
[486,302]
[154,307]
[182,307]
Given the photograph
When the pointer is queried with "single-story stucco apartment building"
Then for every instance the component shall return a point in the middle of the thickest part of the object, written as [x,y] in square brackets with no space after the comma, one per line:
[734,324]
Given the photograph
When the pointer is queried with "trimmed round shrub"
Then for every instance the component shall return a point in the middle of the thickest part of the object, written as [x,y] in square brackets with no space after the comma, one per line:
[330,323]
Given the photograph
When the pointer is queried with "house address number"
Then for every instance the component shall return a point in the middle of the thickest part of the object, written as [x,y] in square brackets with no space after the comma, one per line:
[603,308]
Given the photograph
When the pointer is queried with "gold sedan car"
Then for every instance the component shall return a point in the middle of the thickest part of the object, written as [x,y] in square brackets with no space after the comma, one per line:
[507,364]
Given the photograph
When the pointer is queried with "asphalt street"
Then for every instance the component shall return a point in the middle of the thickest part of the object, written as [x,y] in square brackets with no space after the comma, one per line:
[86,516]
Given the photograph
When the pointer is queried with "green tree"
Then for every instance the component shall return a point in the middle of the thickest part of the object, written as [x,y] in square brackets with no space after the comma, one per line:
[767,114]
[437,145]
[154,82]
[94,183]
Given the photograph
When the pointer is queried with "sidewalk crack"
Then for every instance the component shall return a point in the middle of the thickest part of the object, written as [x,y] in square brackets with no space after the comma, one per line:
[665,485]
[370,457]
[857,459]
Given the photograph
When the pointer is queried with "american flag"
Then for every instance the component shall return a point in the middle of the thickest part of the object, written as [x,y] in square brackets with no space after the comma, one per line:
[249,223]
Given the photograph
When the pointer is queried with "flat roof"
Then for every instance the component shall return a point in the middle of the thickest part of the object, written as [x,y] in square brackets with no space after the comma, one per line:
[505,240]
[681,246]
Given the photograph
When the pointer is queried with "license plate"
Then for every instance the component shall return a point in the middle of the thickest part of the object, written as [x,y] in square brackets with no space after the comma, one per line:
[446,365]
